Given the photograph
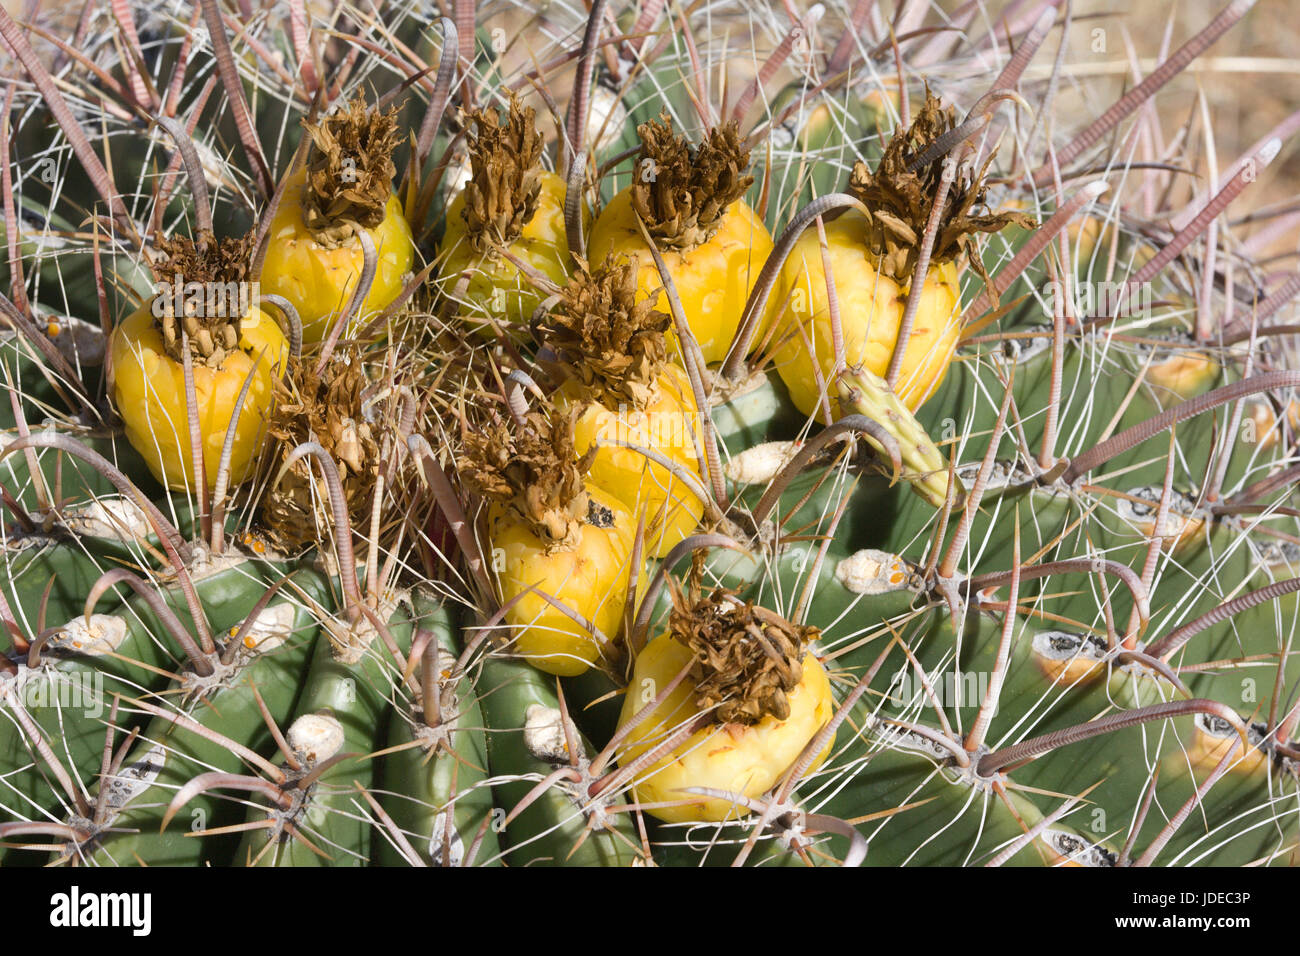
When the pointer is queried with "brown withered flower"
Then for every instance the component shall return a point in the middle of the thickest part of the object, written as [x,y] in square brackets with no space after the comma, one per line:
[747,659]
[218,270]
[350,171]
[683,191]
[900,200]
[605,338]
[327,409]
[533,468]
[505,181]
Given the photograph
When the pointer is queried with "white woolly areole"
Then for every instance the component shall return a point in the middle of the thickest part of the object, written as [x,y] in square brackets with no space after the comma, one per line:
[270,628]
[606,118]
[458,174]
[23,542]
[1212,725]
[871,572]
[112,516]
[1276,556]
[1066,646]
[315,737]
[762,463]
[904,739]
[134,779]
[544,734]
[205,564]
[1077,850]
[440,854]
[351,643]
[103,635]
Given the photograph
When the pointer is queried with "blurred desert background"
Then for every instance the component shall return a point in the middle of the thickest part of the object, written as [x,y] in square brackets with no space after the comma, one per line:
[1247,83]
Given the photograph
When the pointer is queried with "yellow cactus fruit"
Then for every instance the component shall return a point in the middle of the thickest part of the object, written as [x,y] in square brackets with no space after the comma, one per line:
[712,242]
[230,340]
[872,260]
[760,703]
[552,539]
[314,257]
[511,208]
[612,354]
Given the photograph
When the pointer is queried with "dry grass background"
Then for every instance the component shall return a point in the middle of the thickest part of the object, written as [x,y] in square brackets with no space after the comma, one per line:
[1249,80]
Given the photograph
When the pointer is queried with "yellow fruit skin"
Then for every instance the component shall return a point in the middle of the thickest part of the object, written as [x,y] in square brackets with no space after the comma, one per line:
[497,290]
[1207,751]
[591,579]
[319,281]
[871,309]
[713,280]
[149,392]
[1086,235]
[665,425]
[749,760]
[1182,375]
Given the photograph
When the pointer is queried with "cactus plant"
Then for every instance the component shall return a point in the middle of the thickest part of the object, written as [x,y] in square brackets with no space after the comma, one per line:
[1005,575]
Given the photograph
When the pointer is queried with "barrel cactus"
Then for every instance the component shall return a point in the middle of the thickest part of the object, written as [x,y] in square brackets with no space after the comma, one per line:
[621,458]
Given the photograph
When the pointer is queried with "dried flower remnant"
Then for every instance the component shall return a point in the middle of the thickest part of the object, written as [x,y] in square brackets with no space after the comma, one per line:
[350,173]
[682,191]
[747,658]
[505,181]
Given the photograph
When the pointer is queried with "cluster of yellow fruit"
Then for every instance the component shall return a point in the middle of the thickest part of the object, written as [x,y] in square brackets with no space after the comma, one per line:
[210,302]
[623,428]
[624,405]
[685,209]
[571,479]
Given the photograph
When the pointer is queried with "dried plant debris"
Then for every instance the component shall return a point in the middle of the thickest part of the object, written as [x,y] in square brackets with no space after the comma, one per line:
[607,339]
[682,192]
[505,163]
[205,291]
[747,659]
[350,173]
[532,467]
[325,409]
[900,200]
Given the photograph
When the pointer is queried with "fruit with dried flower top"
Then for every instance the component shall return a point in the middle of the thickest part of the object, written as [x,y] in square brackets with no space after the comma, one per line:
[559,548]
[611,349]
[505,236]
[314,256]
[754,694]
[712,242]
[206,309]
[872,259]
